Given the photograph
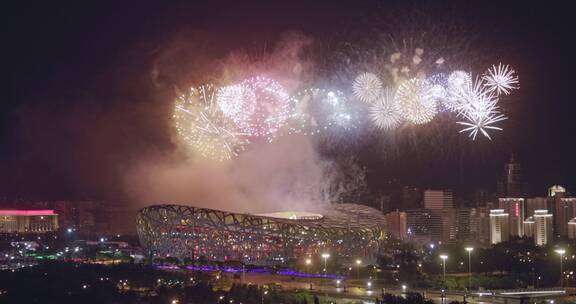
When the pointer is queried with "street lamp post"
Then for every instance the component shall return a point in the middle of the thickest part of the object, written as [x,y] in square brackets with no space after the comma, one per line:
[308,263]
[325,256]
[444,258]
[469,249]
[358,262]
[561,252]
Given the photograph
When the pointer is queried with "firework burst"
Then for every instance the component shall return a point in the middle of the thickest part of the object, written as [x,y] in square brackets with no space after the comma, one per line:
[204,127]
[416,100]
[316,110]
[367,87]
[501,79]
[481,122]
[237,102]
[260,106]
[384,111]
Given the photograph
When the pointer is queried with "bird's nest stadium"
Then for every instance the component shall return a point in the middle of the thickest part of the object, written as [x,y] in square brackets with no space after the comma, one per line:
[348,230]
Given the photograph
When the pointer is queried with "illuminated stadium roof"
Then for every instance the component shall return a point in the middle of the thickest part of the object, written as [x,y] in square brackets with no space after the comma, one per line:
[190,232]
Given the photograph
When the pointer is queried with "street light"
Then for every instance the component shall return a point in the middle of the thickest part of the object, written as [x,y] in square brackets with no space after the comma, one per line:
[358,263]
[404,288]
[325,256]
[444,258]
[469,249]
[561,252]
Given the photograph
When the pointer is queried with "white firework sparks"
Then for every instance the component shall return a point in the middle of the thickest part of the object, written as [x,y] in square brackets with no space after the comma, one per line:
[319,110]
[476,99]
[367,87]
[457,83]
[338,110]
[501,78]
[384,112]
[259,105]
[237,102]
[202,125]
[273,106]
[481,122]
[416,100]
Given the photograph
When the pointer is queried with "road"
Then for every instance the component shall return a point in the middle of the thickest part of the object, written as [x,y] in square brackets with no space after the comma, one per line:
[356,289]
[342,289]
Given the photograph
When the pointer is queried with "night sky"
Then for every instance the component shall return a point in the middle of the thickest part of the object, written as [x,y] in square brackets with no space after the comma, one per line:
[78,104]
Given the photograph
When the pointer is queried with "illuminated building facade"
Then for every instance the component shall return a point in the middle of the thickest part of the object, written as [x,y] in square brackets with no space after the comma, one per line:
[511,185]
[529,227]
[536,203]
[542,227]
[344,230]
[438,200]
[564,209]
[552,191]
[499,225]
[28,221]
[397,224]
[572,229]
[514,207]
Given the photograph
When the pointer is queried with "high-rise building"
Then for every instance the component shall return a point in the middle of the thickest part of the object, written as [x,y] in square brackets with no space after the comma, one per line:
[449,226]
[438,200]
[416,228]
[542,227]
[511,185]
[572,229]
[499,225]
[564,209]
[536,203]
[484,225]
[556,189]
[440,203]
[397,224]
[423,226]
[467,224]
[514,207]
[529,227]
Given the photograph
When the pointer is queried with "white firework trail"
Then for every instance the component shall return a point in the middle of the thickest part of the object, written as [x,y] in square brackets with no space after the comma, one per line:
[202,125]
[501,78]
[481,122]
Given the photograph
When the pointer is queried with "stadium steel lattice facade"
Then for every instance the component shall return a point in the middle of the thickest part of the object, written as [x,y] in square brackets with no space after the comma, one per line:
[347,230]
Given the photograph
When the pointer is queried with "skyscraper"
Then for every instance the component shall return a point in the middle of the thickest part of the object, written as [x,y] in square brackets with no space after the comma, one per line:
[423,226]
[440,203]
[514,207]
[484,225]
[536,203]
[511,184]
[564,209]
[542,227]
[529,227]
[572,229]
[397,224]
[499,226]
[438,200]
